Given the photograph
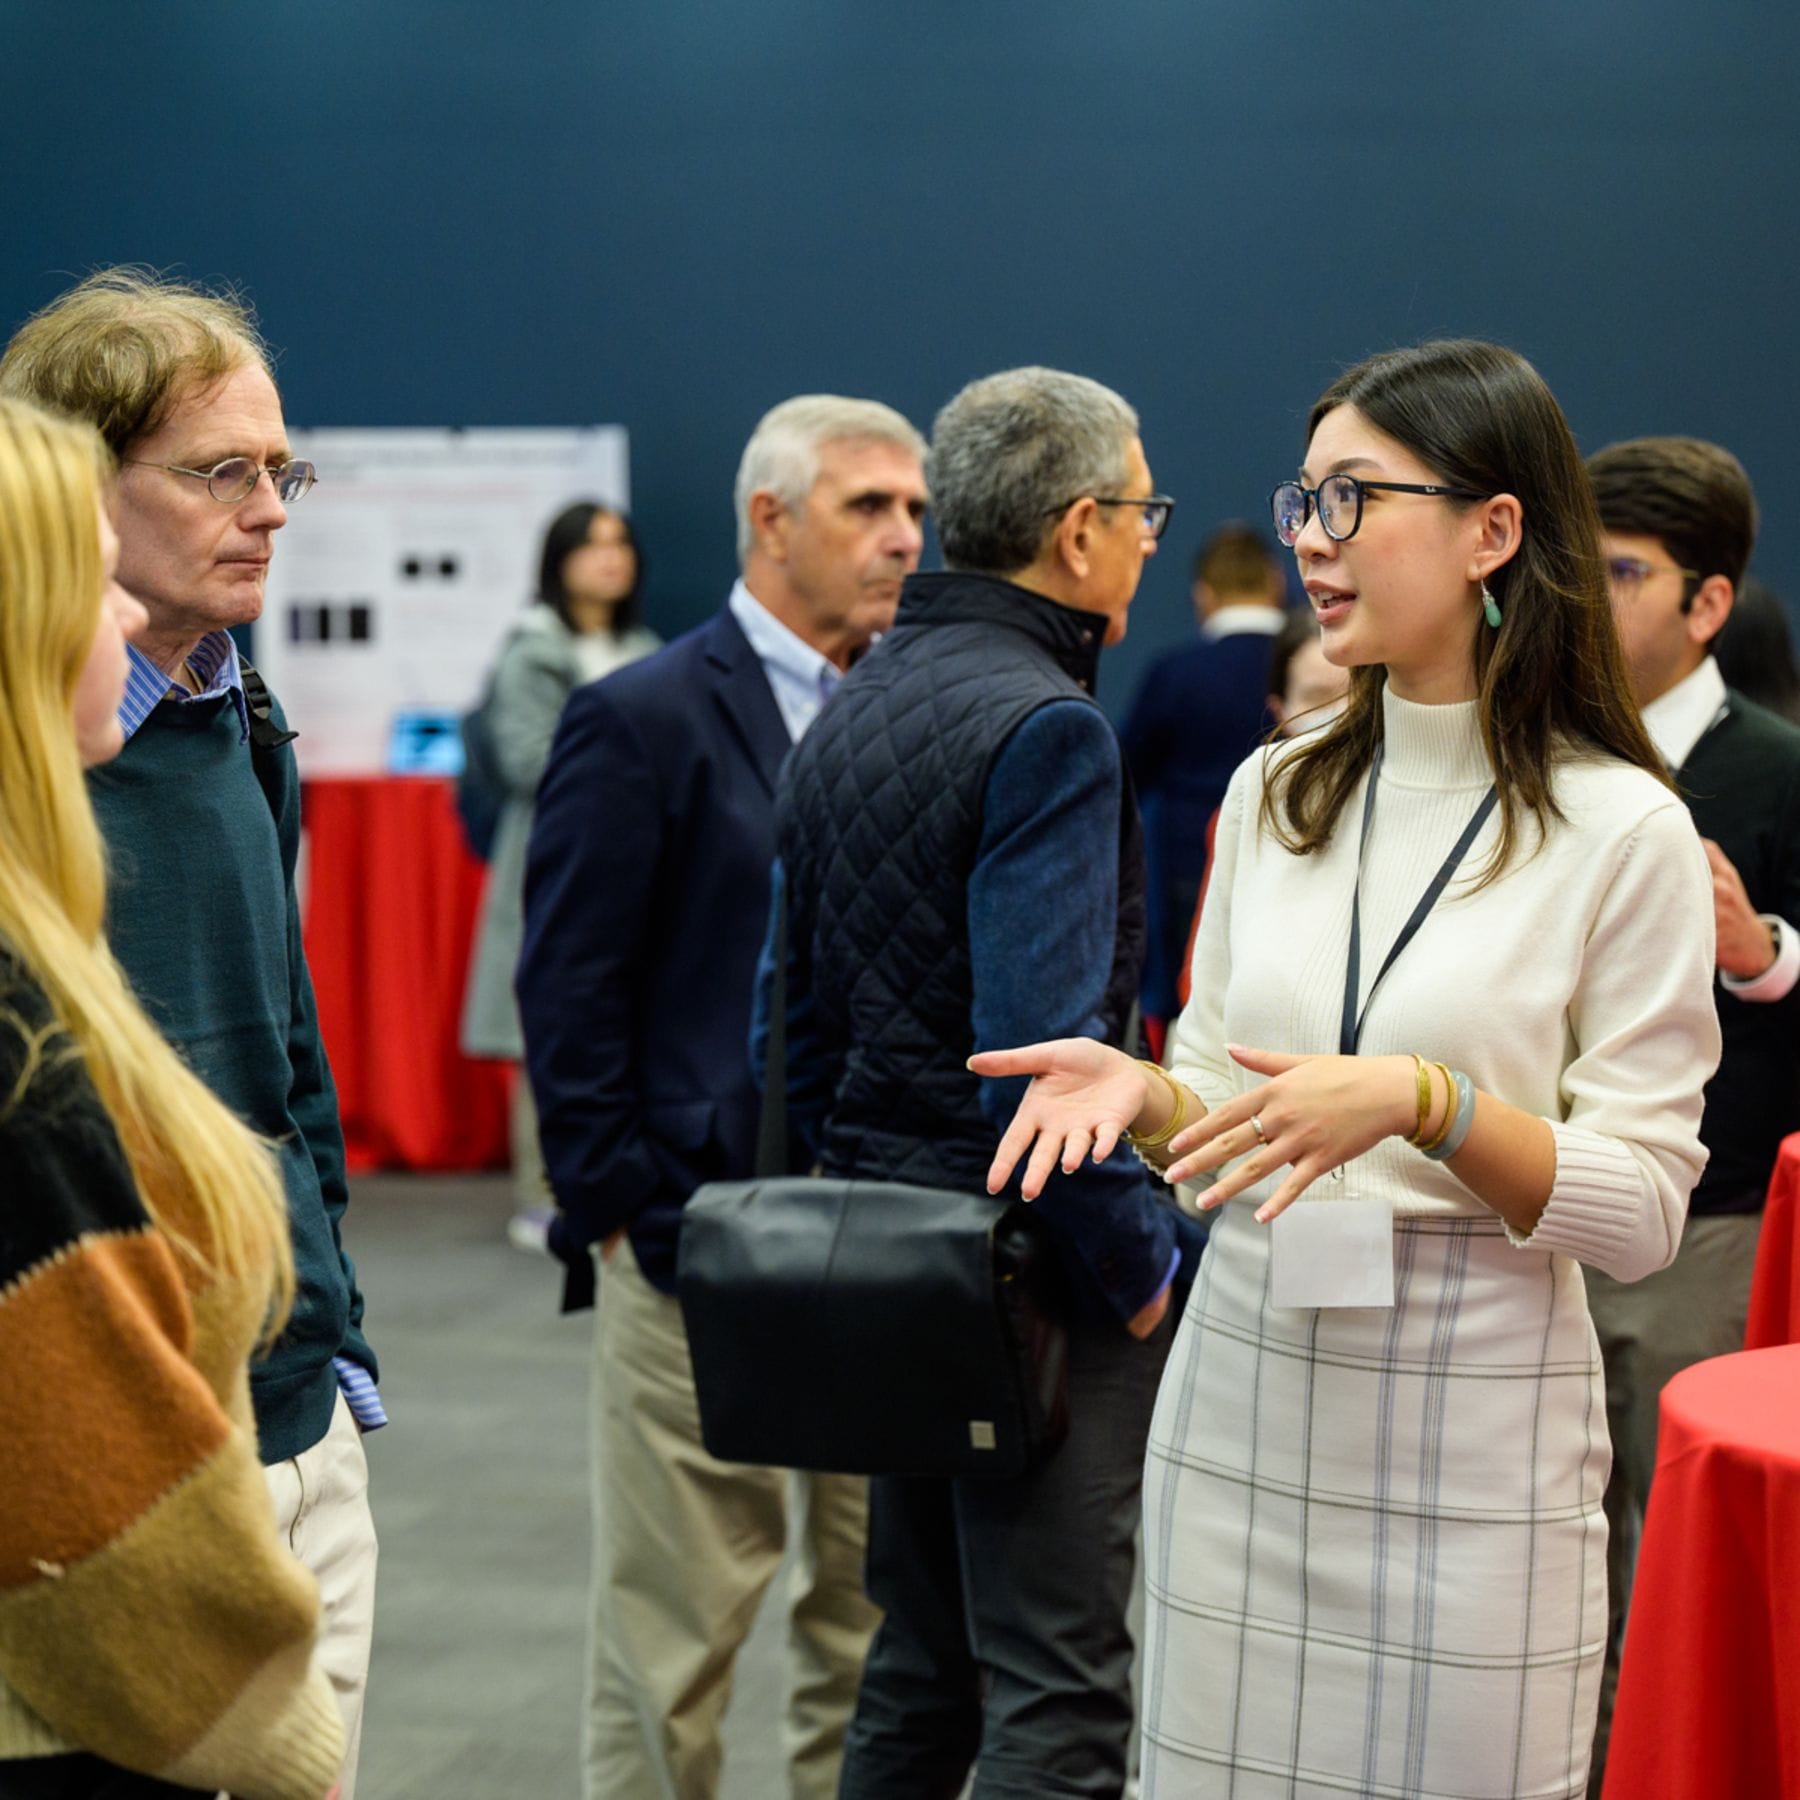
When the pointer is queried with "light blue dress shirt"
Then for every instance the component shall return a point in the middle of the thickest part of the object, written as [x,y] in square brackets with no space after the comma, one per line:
[214,661]
[801,678]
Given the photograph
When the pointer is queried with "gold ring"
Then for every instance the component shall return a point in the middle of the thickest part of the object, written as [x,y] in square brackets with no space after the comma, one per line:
[1256,1126]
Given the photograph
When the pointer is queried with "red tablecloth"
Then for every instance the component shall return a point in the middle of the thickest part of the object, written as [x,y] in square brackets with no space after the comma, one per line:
[1775,1291]
[1709,1690]
[391,898]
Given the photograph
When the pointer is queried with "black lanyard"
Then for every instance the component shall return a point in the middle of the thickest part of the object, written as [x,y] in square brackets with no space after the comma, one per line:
[1350,1032]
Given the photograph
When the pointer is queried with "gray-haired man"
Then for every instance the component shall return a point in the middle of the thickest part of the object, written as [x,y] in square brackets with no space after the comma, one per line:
[979,884]
[647,886]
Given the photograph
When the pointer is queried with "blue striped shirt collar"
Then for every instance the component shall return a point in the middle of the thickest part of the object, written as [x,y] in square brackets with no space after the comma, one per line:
[214,661]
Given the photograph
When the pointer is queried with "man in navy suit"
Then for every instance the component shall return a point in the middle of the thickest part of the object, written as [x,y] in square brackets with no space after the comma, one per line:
[647,891]
[1200,712]
[1677,525]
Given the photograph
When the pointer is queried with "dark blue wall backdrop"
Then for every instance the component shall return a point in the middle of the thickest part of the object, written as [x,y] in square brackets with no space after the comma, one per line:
[674,215]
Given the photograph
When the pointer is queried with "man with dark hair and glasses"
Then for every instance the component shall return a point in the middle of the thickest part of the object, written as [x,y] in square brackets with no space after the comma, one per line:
[1678,520]
[201,814]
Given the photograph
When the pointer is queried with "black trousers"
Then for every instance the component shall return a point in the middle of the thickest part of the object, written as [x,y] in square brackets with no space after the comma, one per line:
[83,1778]
[1004,1643]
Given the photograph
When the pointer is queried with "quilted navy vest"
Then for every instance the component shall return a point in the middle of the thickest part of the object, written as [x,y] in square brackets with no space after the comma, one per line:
[879,820]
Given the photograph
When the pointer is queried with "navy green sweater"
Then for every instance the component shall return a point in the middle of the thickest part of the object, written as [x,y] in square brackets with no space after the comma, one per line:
[204,919]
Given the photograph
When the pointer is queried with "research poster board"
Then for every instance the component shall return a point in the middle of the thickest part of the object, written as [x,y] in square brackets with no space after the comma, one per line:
[394,581]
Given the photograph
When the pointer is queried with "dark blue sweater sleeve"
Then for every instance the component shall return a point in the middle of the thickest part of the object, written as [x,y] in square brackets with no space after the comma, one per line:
[1043,925]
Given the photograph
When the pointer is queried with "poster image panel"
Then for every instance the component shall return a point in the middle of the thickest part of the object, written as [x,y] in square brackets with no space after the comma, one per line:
[396,579]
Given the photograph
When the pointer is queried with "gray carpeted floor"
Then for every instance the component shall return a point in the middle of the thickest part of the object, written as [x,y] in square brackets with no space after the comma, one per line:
[480,1495]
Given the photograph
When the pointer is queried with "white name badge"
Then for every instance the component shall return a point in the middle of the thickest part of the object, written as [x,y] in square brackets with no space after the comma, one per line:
[1333,1253]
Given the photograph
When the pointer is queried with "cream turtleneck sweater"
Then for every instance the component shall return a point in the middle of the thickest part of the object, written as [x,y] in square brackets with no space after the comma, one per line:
[1578,986]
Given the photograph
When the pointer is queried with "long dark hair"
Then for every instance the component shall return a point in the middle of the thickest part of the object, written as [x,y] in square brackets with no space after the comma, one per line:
[1552,676]
[567,533]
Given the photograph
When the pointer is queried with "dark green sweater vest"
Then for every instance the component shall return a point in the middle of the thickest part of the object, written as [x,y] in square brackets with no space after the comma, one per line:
[204,919]
[1742,784]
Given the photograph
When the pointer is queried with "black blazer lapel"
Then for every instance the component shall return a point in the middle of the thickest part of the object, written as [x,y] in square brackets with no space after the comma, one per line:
[743,694]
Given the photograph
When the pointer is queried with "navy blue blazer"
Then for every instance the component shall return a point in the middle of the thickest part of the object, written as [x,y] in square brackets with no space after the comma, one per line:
[646,895]
[1200,711]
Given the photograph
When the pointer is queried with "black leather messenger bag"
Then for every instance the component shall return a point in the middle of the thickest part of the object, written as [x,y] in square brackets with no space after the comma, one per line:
[868,1327]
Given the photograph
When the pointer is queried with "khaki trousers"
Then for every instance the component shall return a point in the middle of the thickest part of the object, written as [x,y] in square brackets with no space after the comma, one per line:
[322,1512]
[684,1547]
[1650,1331]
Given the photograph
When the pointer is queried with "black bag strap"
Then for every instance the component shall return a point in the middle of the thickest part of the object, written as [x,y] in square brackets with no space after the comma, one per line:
[772,1128]
[265,734]
[266,737]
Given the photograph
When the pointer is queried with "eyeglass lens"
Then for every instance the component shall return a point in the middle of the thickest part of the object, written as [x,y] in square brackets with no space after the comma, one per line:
[237,475]
[1339,499]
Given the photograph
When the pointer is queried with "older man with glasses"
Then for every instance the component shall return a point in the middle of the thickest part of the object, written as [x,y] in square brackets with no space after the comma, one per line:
[960,856]
[201,813]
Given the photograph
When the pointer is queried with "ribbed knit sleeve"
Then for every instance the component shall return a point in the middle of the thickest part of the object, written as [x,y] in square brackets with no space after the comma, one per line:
[148,1611]
[1646,1037]
[1576,986]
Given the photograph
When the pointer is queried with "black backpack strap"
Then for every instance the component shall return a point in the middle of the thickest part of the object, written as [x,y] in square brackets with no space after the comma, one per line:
[266,737]
[265,734]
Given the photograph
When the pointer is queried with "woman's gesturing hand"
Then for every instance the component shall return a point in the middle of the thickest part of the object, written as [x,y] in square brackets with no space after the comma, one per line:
[1316,1113]
[1083,1095]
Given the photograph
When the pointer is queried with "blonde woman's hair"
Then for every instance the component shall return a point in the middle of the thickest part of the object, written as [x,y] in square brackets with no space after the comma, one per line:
[209,1183]
[122,348]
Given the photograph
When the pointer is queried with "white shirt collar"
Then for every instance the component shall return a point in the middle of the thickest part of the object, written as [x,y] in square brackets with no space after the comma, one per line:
[1231,621]
[798,675]
[1679,719]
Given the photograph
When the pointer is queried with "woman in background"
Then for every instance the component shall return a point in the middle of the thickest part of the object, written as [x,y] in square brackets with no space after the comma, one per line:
[1452,1015]
[584,624]
[155,1635]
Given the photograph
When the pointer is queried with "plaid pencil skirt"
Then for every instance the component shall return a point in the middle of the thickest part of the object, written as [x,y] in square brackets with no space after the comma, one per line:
[1374,1548]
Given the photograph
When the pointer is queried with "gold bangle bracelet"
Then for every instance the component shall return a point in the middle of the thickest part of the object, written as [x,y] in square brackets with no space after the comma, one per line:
[1424,1099]
[1443,1130]
[1177,1096]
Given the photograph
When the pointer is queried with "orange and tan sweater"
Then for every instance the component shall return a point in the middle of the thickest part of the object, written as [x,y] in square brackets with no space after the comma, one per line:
[149,1613]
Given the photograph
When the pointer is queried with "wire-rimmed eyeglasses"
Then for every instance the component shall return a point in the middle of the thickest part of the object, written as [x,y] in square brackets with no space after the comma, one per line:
[1626,575]
[233,479]
[1339,499]
[1158,508]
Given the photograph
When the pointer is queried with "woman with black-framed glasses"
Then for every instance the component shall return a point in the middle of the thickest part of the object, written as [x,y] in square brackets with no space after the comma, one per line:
[1338,500]
[1451,1020]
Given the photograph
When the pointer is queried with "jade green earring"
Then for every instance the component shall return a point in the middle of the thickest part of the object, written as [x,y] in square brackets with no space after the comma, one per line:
[1490,607]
